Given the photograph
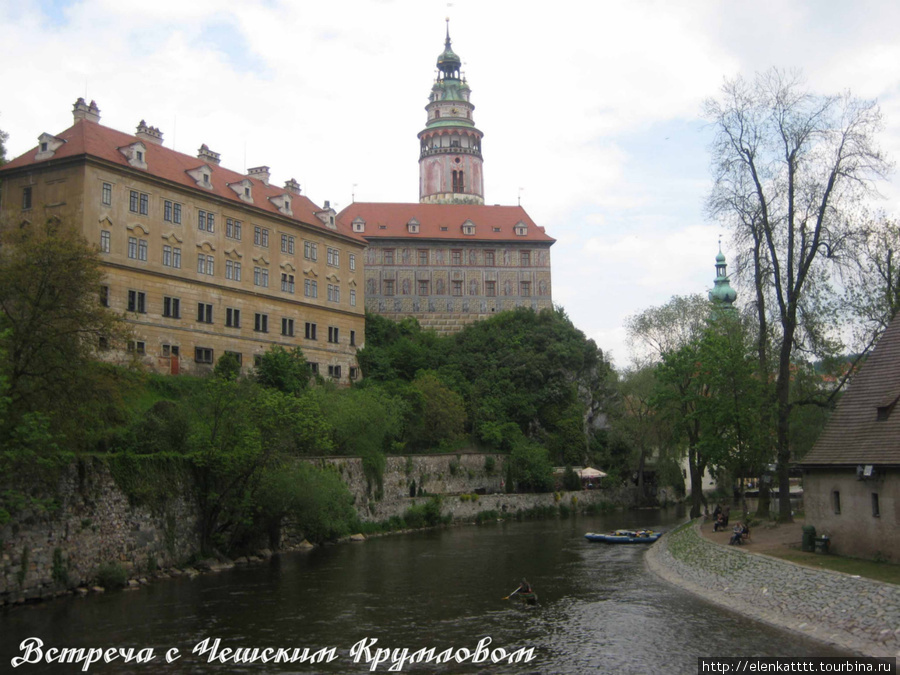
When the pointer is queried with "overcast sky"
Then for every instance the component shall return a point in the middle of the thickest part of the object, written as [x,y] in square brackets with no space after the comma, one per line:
[591,110]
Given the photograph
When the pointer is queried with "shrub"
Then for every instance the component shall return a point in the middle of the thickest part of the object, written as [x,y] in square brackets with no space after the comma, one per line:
[111,575]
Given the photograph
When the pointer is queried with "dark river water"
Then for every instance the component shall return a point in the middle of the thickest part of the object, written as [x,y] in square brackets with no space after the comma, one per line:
[600,611]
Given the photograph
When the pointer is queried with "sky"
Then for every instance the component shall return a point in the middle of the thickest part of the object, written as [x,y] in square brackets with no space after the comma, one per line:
[591,110]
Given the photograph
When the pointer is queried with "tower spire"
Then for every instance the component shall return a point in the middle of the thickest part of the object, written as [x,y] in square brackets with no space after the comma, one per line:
[722,294]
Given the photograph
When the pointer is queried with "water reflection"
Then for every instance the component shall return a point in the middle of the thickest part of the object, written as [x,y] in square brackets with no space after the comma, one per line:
[600,610]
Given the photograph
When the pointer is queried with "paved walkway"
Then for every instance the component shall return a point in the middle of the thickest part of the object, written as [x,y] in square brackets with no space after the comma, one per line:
[856,614]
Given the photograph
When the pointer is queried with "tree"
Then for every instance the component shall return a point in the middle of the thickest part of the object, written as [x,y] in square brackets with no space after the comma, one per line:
[3,138]
[443,414]
[282,369]
[788,168]
[51,322]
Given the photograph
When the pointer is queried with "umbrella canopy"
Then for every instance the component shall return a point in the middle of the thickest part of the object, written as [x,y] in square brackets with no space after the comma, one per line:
[588,472]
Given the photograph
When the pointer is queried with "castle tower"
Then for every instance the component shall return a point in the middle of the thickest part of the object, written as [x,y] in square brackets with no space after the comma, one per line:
[450,162]
[722,294]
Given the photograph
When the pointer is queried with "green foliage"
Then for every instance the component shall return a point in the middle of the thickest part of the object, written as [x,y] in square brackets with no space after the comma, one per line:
[315,499]
[490,465]
[443,415]
[228,367]
[111,575]
[150,480]
[425,515]
[60,570]
[529,468]
[571,480]
[284,370]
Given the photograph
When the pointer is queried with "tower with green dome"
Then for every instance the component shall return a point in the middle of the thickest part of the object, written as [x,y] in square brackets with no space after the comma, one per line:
[450,161]
[722,295]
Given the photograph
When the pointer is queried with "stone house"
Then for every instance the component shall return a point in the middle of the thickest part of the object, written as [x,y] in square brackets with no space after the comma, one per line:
[851,477]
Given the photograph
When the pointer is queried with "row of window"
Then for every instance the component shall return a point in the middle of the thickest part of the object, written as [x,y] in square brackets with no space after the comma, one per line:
[137,302]
[456,288]
[206,264]
[389,257]
[836,503]
[139,202]
[206,354]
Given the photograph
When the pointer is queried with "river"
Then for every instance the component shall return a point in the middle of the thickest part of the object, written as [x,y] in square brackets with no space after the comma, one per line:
[600,610]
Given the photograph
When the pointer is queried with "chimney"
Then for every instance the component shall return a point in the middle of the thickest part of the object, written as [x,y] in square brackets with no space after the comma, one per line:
[327,204]
[83,111]
[151,134]
[208,155]
[260,173]
[292,186]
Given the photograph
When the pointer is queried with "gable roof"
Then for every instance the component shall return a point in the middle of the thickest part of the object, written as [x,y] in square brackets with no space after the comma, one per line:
[89,138]
[388,220]
[865,426]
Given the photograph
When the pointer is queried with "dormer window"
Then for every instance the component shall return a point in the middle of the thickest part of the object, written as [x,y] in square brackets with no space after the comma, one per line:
[48,145]
[282,202]
[358,225]
[135,154]
[202,176]
[468,227]
[413,226]
[243,189]
[521,229]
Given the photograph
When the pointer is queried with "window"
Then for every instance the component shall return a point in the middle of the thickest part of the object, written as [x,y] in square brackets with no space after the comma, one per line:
[525,288]
[388,286]
[352,338]
[313,367]
[261,277]
[352,262]
[876,509]
[233,270]
[206,221]
[137,302]
[106,195]
[352,298]
[132,247]
[104,296]
[172,256]
[204,312]
[334,293]
[333,257]
[137,347]
[205,264]
[171,350]
[525,258]
[456,257]
[142,249]
[233,228]
[145,204]
[172,212]
[137,248]
[490,289]
[26,198]
[104,241]
[423,257]
[103,343]
[423,287]
[310,250]
[388,256]
[287,283]
[133,201]
[260,236]
[172,307]
[489,258]
[310,331]
[456,287]
[836,501]
[287,244]
[139,202]
[354,373]
[334,371]
[287,327]
[261,323]
[203,355]
[310,288]
[232,317]
[333,334]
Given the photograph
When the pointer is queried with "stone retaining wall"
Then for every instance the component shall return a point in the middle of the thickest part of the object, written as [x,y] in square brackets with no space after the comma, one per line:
[853,613]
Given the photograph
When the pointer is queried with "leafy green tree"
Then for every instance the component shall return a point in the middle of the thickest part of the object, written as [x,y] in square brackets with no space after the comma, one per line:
[228,366]
[529,468]
[3,138]
[443,413]
[51,322]
[789,168]
[282,369]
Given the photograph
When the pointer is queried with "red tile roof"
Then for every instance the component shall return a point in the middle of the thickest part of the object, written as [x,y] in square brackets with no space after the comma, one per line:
[854,434]
[389,220]
[95,140]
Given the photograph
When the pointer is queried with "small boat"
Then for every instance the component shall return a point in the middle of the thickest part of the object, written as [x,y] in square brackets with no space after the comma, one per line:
[625,537]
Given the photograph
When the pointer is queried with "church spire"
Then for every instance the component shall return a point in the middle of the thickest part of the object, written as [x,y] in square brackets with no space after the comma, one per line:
[722,294]
[450,162]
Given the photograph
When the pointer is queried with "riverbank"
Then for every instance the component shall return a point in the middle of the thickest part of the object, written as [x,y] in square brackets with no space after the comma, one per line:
[860,615]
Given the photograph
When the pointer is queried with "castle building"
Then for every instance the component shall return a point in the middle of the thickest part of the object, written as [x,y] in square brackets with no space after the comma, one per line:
[450,259]
[200,260]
